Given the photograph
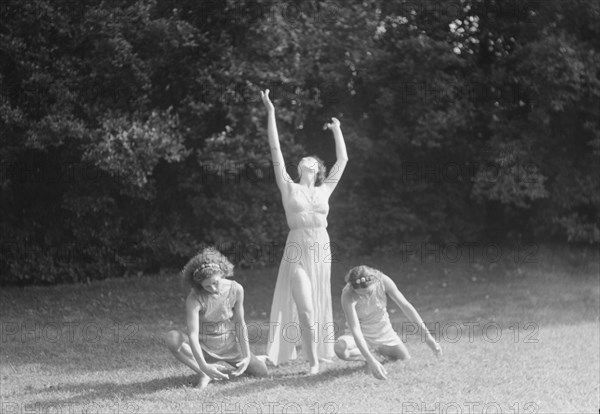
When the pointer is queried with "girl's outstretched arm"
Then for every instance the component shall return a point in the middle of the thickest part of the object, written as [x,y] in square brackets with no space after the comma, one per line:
[411,313]
[242,332]
[340,152]
[192,307]
[349,307]
[281,176]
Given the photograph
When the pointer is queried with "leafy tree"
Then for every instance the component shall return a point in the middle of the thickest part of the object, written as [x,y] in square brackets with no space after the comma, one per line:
[132,133]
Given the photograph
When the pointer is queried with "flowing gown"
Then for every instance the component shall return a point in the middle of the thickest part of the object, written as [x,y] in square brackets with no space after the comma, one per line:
[308,247]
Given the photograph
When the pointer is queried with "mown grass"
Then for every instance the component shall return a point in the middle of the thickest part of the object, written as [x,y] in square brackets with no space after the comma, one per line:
[534,344]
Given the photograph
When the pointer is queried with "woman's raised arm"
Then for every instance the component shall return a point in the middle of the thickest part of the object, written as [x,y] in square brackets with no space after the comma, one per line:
[342,156]
[281,176]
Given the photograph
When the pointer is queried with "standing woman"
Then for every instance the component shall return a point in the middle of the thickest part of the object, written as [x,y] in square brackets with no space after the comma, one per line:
[303,288]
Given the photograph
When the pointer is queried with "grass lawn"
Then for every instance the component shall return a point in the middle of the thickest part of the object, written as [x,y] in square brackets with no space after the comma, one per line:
[517,338]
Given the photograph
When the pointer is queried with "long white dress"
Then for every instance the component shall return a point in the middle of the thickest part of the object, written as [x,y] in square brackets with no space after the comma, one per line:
[307,246]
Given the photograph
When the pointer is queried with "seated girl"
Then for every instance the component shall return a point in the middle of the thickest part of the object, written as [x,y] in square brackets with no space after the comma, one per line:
[217,329]
[364,301]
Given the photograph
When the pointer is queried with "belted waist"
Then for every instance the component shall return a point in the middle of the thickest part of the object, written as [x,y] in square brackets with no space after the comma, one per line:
[306,227]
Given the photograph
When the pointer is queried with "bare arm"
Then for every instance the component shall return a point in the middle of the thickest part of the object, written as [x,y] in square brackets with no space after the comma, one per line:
[192,307]
[242,332]
[281,176]
[411,313]
[341,155]
[349,307]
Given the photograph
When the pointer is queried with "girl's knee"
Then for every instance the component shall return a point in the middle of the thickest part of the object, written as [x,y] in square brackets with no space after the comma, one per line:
[341,349]
[260,370]
[174,339]
[305,314]
[300,279]
[400,354]
[257,368]
[401,357]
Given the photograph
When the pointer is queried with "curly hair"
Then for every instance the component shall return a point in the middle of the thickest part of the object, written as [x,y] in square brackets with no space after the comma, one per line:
[321,170]
[320,177]
[361,276]
[207,263]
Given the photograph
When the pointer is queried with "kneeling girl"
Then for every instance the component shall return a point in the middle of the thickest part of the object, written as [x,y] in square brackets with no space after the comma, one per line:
[364,301]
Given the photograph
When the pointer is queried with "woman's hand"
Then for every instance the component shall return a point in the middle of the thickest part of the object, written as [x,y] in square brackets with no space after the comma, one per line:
[333,125]
[435,347]
[241,366]
[214,371]
[266,101]
[377,369]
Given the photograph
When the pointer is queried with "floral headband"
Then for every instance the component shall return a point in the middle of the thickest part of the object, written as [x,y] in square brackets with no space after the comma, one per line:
[361,282]
[205,270]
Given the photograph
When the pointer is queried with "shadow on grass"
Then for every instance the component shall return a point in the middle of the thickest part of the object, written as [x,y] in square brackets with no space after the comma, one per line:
[279,379]
[87,394]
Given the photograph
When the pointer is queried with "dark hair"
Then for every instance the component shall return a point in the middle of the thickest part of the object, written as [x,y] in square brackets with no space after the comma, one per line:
[205,264]
[361,276]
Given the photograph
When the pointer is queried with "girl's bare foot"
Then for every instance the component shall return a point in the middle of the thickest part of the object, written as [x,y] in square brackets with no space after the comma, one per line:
[314,369]
[203,383]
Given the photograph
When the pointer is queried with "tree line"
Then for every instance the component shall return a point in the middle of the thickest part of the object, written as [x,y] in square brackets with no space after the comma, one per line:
[132,131]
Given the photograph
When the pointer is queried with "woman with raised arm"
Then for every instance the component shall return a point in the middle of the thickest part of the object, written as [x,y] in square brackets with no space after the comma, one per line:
[303,288]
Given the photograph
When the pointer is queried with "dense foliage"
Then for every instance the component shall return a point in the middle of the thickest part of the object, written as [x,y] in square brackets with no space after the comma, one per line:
[132,133]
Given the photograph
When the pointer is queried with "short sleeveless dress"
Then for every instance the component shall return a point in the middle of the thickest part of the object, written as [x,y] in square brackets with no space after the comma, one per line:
[373,315]
[217,335]
[308,247]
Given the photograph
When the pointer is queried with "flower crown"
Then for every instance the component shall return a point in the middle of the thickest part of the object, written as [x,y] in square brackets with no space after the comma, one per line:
[362,282]
[205,270]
